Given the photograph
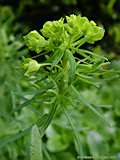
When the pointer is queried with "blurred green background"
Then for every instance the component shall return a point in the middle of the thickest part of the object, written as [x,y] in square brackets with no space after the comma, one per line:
[18,107]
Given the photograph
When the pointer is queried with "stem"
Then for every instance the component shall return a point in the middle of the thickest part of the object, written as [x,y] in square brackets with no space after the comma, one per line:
[80,42]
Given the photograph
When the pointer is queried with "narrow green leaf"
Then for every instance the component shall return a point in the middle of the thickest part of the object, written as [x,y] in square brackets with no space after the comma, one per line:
[36,144]
[56,57]
[80,51]
[72,65]
[86,103]
[14,137]
[88,79]
[29,101]
[46,119]
[78,145]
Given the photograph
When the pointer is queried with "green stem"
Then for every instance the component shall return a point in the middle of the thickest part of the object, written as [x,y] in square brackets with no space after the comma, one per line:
[80,42]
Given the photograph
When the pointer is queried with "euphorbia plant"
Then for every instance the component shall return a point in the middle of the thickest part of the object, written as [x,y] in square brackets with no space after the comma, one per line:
[63,64]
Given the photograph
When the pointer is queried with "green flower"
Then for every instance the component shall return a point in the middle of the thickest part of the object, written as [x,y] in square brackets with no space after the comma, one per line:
[78,24]
[94,33]
[31,66]
[35,41]
[72,33]
[80,27]
[51,28]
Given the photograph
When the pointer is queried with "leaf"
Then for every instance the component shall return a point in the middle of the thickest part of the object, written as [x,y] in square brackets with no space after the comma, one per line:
[96,144]
[29,101]
[14,137]
[72,65]
[57,143]
[88,79]
[86,103]
[78,145]
[117,106]
[46,119]
[56,57]
[36,144]
[87,52]
[66,156]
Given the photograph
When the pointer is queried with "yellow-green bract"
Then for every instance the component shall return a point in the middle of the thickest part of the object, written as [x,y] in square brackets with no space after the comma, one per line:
[30,66]
[66,34]
[35,41]
[60,37]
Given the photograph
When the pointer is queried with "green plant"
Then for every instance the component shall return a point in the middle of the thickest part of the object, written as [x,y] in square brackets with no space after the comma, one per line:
[10,44]
[63,76]
[60,72]
[114,33]
[27,127]
[11,80]
[108,7]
